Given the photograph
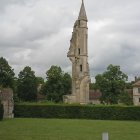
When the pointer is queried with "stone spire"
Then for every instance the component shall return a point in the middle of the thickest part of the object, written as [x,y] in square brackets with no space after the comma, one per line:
[78,55]
[82,13]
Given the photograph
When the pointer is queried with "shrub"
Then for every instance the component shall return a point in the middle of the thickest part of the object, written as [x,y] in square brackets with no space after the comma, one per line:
[1,111]
[78,112]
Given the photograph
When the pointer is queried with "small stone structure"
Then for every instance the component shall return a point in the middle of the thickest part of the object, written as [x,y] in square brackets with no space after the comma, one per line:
[6,97]
[136,93]
[94,96]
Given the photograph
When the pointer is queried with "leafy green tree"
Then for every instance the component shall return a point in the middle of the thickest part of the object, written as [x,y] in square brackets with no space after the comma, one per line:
[40,83]
[27,85]
[111,83]
[58,84]
[43,89]
[6,74]
[40,80]
[124,98]
[66,81]
[129,85]
[92,86]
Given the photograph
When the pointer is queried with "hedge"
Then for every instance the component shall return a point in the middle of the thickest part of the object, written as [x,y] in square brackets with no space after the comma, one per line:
[78,112]
[1,112]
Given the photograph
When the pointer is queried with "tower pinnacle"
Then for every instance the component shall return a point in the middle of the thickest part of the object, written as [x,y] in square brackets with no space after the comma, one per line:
[78,55]
[82,13]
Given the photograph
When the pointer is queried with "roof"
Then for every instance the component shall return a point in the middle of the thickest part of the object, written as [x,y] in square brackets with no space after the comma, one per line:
[94,94]
[82,13]
[137,84]
[40,96]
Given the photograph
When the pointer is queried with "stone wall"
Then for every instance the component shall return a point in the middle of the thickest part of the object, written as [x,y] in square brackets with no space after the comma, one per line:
[6,97]
[136,96]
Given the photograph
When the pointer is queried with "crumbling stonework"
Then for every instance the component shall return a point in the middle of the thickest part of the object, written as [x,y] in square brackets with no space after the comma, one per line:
[78,55]
[6,96]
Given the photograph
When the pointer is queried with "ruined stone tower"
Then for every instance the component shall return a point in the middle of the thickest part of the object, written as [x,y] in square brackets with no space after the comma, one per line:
[78,55]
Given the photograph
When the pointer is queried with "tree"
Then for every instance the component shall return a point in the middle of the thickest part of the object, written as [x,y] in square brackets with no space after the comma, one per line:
[124,98]
[27,85]
[58,84]
[40,80]
[66,81]
[92,86]
[6,74]
[40,83]
[111,83]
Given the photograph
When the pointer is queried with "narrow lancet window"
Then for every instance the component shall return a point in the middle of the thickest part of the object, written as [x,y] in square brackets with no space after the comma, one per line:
[79,51]
[81,68]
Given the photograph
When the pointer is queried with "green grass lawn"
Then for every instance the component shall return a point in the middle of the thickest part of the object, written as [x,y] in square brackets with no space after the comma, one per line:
[55,129]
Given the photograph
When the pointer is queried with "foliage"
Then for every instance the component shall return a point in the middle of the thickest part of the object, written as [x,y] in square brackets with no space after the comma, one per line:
[1,111]
[39,80]
[129,85]
[125,99]
[66,81]
[58,84]
[27,85]
[92,86]
[78,112]
[111,83]
[6,74]
[43,89]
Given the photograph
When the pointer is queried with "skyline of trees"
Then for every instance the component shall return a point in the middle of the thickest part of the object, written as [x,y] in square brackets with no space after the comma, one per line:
[111,83]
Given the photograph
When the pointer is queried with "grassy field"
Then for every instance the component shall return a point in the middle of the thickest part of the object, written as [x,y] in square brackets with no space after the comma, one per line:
[54,129]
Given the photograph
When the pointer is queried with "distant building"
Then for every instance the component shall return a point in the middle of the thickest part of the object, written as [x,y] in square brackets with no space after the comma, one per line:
[41,97]
[94,96]
[136,93]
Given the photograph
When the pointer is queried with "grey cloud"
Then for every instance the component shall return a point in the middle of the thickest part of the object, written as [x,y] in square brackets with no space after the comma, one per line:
[37,33]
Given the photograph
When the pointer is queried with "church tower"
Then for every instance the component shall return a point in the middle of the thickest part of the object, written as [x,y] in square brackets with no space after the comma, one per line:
[78,55]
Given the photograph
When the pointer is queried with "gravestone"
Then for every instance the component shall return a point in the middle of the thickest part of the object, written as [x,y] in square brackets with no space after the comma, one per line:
[105,136]
[6,96]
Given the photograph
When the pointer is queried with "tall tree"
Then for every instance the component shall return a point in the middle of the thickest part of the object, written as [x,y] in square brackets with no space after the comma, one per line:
[66,81]
[125,98]
[40,80]
[58,84]
[111,83]
[6,74]
[27,85]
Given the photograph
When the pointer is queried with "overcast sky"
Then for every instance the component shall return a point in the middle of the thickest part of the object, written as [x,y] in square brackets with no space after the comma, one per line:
[36,33]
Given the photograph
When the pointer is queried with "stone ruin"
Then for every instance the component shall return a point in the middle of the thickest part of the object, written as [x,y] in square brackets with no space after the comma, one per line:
[78,55]
[6,98]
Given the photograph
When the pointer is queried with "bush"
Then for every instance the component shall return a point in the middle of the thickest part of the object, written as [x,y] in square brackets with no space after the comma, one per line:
[78,112]
[1,111]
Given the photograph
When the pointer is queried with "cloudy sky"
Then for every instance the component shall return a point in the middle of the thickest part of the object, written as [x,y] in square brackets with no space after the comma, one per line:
[36,33]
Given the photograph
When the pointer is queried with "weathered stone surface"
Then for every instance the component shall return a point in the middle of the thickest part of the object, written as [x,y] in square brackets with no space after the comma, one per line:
[136,93]
[6,96]
[78,55]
